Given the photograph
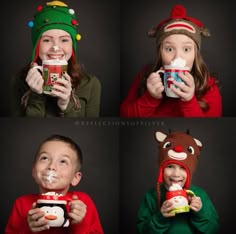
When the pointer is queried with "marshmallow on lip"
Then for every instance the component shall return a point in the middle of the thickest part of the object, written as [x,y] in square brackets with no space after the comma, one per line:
[175,187]
[50,176]
[178,62]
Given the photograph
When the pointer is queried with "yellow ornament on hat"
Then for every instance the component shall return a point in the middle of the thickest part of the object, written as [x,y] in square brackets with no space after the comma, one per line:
[78,37]
[56,3]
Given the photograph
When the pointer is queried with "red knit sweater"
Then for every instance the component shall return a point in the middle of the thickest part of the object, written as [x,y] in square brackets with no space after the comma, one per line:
[18,224]
[148,106]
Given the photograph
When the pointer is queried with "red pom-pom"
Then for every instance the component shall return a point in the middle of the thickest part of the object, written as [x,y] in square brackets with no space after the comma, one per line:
[39,8]
[178,11]
[74,22]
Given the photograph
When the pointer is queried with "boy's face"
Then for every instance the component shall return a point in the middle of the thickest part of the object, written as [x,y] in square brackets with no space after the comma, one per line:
[174,174]
[55,44]
[55,167]
[178,46]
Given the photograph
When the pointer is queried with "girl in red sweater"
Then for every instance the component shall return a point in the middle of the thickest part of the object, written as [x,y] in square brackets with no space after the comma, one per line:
[178,36]
[57,166]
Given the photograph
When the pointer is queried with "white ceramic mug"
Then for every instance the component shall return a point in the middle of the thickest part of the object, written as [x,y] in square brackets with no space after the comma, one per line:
[171,74]
[180,200]
[51,71]
[56,209]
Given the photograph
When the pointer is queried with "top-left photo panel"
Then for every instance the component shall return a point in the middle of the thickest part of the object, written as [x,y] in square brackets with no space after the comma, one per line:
[61,59]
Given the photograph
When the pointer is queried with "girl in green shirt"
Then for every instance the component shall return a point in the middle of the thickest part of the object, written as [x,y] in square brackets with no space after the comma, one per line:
[54,37]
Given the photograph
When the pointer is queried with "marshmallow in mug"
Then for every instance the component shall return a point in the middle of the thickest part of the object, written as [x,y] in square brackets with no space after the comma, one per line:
[171,74]
[178,62]
[174,187]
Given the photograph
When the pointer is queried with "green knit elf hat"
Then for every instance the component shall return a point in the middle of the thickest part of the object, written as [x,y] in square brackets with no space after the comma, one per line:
[55,15]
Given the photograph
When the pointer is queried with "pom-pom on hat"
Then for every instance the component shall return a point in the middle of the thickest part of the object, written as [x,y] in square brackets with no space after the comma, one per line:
[55,15]
[179,23]
[177,148]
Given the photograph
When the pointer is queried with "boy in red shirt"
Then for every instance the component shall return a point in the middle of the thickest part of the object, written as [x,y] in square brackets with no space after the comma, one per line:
[56,166]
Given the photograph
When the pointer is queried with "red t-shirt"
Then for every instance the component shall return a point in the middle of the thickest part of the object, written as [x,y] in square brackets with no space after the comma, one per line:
[148,106]
[17,222]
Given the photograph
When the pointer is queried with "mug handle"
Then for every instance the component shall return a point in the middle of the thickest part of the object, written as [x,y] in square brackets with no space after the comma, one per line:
[190,193]
[160,71]
[38,67]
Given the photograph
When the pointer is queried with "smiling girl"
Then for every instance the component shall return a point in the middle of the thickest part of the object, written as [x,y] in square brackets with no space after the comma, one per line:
[54,36]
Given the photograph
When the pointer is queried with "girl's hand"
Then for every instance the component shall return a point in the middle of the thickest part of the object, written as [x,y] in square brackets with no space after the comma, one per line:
[166,207]
[35,219]
[195,203]
[77,210]
[155,86]
[34,79]
[185,90]
[62,89]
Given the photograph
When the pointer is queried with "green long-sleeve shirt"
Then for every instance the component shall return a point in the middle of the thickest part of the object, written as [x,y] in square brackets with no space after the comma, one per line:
[41,105]
[151,221]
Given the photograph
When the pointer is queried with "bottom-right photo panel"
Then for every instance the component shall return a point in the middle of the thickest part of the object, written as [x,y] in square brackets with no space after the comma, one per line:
[176,175]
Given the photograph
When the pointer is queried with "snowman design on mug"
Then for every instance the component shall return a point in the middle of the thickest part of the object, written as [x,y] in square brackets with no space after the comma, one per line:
[179,197]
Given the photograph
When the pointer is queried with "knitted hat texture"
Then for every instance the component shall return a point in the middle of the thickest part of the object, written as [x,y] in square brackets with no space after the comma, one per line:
[179,23]
[55,15]
[177,148]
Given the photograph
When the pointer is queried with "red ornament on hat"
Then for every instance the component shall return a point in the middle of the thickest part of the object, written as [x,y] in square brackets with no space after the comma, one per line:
[74,22]
[39,8]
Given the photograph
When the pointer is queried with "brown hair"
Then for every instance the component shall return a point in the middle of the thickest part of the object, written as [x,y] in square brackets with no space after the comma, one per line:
[66,140]
[199,71]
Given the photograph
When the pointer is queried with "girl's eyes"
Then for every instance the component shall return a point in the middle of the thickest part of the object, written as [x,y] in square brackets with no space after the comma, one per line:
[187,49]
[169,49]
[46,40]
[66,39]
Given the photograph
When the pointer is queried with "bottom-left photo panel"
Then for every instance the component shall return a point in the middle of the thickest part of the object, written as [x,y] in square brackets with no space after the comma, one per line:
[58,173]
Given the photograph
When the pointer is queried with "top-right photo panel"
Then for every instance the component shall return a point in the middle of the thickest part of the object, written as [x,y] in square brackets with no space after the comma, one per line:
[176,59]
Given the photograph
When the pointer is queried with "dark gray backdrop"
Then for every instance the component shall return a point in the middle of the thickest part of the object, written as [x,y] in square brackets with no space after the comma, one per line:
[214,173]
[98,50]
[100,146]
[119,162]
[218,51]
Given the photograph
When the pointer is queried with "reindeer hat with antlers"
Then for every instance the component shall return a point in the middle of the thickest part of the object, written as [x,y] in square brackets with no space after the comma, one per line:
[179,148]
